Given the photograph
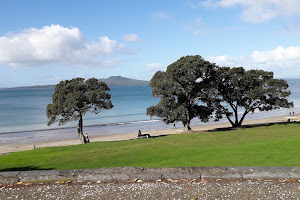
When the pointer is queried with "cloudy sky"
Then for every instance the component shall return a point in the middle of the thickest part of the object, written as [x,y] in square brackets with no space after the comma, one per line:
[44,42]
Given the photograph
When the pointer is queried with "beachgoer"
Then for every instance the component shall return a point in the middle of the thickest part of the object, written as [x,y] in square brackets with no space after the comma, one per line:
[87,138]
[174,125]
[293,113]
[290,113]
[140,134]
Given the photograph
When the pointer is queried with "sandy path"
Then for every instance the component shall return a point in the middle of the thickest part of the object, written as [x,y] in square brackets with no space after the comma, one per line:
[127,136]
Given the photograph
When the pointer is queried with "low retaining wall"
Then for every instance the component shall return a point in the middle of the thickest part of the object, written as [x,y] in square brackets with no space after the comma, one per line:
[150,174]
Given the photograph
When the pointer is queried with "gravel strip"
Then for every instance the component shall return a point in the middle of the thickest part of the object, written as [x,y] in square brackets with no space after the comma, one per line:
[212,189]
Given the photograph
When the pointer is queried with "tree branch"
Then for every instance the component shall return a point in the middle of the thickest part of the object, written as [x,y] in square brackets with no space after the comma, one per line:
[242,119]
[228,117]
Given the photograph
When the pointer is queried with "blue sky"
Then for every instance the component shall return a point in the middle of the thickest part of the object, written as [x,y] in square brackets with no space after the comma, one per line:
[44,42]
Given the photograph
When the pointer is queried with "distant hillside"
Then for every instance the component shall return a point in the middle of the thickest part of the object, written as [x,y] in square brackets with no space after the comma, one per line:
[119,80]
[110,81]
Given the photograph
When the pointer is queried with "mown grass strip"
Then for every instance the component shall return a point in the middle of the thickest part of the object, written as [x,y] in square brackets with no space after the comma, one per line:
[272,145]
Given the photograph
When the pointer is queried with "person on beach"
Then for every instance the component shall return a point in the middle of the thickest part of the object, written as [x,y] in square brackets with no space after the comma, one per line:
[140,134]
[87,138]
[174,126]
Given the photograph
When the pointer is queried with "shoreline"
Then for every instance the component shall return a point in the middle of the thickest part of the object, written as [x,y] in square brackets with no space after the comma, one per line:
[4,149]
[75,127]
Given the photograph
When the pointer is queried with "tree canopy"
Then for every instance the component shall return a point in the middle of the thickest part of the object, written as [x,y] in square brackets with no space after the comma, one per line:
[192,87]
[183,91]
[74,98]
[241,91]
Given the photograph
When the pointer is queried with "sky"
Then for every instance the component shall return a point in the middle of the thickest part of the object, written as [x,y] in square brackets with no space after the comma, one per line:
[45,42]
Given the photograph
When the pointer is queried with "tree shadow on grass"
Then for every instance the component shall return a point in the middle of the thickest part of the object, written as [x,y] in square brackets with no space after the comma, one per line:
[157,136]
[150,137]
[253,126]
[26,168]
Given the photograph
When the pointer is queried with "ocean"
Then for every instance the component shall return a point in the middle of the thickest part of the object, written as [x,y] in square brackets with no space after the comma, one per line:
[23,114]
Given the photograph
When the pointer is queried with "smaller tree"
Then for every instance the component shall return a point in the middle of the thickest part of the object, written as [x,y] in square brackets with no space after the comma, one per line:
[73,98]
[244,91]
[182,90]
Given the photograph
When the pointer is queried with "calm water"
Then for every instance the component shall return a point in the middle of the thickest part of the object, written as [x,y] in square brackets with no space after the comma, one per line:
[23,114]
[25,109]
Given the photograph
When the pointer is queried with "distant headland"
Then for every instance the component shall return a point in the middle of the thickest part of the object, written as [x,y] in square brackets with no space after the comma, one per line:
[119,80]
[110,81]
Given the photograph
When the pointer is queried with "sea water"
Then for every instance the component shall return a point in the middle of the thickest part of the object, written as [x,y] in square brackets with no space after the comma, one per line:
[25,109]
[23,114]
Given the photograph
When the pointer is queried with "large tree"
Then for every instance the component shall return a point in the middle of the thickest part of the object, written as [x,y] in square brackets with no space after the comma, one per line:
[74,98]
[183,91]
[241,91]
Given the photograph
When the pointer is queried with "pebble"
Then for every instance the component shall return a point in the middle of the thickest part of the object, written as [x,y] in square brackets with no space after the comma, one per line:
[208,189]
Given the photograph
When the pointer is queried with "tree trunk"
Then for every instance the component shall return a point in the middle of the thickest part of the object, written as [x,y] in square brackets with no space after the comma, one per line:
[231,122]
[188,122]
[236,123]
[187,126]
[80,129]
[83,139]
[242,119]
[81,124]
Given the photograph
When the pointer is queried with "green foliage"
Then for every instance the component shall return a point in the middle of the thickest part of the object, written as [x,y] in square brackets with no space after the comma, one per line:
[192,87]
[183,91]
[73,98]
[270,145]
[248,91]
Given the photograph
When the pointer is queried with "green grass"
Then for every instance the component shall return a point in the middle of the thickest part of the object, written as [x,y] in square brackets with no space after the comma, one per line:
[271,145]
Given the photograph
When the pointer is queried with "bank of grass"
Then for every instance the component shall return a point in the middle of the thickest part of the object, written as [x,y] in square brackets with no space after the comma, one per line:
[270,145]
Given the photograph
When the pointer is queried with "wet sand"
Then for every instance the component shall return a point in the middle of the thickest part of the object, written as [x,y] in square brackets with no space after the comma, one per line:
[127,136]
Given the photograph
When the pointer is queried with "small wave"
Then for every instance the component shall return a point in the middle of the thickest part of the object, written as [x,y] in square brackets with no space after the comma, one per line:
[148,121]
[113,116]
[123,123]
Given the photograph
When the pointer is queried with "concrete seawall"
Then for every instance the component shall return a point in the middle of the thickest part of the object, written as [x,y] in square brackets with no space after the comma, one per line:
[150,174]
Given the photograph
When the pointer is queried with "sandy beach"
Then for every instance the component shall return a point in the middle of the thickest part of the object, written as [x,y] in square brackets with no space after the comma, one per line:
[127,136]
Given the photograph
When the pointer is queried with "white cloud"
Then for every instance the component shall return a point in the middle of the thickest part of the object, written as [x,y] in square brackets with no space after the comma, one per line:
[224,60]
[284,62]
[131,37]
[258,11]
[55,45]
[280,54]
[153,67]
[160,15]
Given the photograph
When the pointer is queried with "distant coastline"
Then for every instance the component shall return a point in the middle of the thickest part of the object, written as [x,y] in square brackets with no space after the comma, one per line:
[110,81]
[123,81]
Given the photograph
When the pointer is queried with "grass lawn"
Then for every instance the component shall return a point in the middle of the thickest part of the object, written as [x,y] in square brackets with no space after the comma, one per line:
[270,145]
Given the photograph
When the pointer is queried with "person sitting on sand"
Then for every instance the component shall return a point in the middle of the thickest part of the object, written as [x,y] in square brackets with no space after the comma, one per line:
[146,135]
